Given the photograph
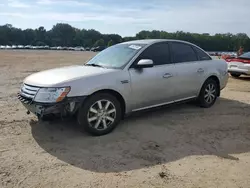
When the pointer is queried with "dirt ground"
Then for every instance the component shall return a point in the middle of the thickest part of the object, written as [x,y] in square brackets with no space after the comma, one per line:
[179,146]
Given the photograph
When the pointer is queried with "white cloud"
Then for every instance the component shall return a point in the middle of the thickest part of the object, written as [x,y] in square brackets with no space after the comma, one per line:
[63,2]
[90,5]
[211,16]
[77,17]
[17,4]
[12,14]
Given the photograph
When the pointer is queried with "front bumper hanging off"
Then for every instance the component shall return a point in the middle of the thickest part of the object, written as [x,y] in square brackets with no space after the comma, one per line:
[67,107]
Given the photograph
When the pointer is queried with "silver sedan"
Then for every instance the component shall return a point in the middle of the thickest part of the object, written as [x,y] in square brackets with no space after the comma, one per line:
[125,78]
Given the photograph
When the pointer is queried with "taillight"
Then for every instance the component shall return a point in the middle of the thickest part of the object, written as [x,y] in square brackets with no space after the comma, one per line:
[246,61]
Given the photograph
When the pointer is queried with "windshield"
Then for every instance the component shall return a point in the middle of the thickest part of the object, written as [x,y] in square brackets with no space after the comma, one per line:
[245,55]
[116,56]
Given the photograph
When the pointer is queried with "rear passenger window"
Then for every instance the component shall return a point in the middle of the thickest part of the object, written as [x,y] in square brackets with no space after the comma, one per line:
[158,52]
[202,55]
[183,53]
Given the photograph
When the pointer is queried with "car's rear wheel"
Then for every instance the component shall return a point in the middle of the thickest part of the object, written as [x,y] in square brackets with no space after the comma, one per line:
[208,93]
[100,114]
[235,75]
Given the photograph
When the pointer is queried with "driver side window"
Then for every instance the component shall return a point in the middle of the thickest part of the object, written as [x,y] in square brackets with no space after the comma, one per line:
[158,52]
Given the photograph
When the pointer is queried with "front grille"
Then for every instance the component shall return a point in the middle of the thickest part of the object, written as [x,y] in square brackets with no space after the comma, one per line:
[24,100]
[27,93]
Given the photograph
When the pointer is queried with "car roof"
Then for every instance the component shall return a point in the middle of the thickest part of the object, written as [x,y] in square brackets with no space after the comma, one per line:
[152,41]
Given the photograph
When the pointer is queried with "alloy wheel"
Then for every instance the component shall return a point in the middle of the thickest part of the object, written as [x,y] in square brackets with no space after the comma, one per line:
[101,114]
[210,93]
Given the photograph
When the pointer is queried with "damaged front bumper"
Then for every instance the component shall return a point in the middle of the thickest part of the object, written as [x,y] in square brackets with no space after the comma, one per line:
[69,106]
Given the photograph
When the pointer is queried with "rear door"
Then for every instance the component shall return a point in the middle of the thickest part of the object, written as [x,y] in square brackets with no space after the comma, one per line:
[189,70]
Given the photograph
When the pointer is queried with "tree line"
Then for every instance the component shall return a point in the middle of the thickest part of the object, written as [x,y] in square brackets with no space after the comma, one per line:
[63,34]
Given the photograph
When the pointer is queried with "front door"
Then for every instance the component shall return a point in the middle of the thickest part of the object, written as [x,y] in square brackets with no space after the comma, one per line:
[155,85]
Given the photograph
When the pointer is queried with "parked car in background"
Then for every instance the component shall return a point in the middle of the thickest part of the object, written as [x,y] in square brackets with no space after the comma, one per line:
[28,47]
[98,48]
[238,66]
[92,49]
[20,47]
[79,48]
[125,78]
[53,48]
[46,47]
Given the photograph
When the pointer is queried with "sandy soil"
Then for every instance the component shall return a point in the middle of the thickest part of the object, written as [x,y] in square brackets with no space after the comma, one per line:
[179,146]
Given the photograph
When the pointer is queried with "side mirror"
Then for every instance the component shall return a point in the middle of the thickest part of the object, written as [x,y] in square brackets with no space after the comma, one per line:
[145,63]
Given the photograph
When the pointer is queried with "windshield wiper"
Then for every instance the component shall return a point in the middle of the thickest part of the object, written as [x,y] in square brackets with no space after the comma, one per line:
[94,65]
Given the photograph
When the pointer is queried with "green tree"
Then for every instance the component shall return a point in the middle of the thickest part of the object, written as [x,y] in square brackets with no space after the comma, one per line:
[30,36]
[65,35]
[40,35]
[91,36]
[62,34]
[100,42]
[110,43]
[40,43]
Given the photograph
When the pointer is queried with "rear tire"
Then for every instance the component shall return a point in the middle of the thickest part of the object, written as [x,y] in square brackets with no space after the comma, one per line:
[208,94]
[235,75]
[100,114]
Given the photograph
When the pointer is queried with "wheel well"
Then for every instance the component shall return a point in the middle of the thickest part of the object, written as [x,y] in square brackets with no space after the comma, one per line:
[117,95]
[215,78]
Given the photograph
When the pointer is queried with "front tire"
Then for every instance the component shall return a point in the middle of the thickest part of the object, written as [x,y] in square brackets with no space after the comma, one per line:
[208,93]
[100,114]
[235,75]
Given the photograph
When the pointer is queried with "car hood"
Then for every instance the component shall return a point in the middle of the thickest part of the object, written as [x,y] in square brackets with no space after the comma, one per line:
[57,76]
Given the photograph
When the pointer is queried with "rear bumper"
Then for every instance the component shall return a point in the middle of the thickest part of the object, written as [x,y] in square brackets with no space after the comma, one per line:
[67,107]
[240,69]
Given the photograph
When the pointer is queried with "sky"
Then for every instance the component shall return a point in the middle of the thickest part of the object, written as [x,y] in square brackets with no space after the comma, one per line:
[127,17]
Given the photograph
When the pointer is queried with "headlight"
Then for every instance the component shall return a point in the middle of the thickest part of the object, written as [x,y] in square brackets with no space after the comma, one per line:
[50,95]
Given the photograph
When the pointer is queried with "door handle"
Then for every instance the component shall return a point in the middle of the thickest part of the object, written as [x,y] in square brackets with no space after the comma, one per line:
[167,75]
[200,70]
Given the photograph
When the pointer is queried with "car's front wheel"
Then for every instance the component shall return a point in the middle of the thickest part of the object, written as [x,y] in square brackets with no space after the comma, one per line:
[208,93]
[100,114]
